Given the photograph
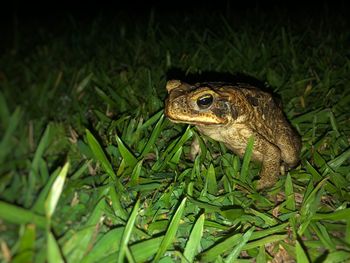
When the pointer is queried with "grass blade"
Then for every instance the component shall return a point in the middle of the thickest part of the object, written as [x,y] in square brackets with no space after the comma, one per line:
[106,245]
[142,251]
[19,215]
[211,180]
[300,253]
[237,250]
[193,243]
[127,232]
[53,250]
[99,154]
[39,205]
[221,247]
[129,158]
[171,231]
[55,192]
[154,135]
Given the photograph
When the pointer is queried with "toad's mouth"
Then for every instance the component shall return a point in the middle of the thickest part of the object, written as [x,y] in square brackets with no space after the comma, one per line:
[199,119]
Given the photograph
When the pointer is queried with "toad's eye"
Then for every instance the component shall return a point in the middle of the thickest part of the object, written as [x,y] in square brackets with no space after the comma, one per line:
[205,101]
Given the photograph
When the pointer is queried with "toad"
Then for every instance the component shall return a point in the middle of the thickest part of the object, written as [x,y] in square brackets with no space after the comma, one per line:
[232,114]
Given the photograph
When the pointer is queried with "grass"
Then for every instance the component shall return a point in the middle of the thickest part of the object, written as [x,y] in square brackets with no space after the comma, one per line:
[92,171]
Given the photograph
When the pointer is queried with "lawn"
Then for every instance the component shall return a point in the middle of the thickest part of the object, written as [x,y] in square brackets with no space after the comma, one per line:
[92,171]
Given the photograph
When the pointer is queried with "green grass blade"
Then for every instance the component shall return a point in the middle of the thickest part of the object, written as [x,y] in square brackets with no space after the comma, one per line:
[237,250]
[129,158]
[39,205]
[339,160]
[116,203]
[154,135]
[172,149]
[127,232]
[221,247]
[107,244]
[135,175]
[75,244]
[55,192]
[193,243]
[144,250]
[38,156]
[263,241]
[261,258]
[340,256]
[323,235]
[290,199]
[99,154]
[343,214]
[53,250]
[211,180]
[18,215]
[171,231]
[26,245]
[300,253]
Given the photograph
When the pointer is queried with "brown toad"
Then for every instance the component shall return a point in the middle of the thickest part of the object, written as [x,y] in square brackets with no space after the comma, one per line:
[231,114]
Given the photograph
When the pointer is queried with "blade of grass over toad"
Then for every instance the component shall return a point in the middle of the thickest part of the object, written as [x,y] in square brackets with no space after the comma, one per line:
[127,232]
[53,250]
[154,135]
[237,250]
[129,158]
[55,191]
[171,231]
[193,243]
[99,154]
[246,159]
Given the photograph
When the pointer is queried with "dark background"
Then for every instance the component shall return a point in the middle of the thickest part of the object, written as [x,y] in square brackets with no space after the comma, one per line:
[44,11]
[29,17]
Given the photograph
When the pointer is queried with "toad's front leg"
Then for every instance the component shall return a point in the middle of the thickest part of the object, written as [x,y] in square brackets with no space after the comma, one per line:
[270,156]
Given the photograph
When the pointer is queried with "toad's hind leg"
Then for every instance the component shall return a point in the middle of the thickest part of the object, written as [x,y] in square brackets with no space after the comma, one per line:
[290,144]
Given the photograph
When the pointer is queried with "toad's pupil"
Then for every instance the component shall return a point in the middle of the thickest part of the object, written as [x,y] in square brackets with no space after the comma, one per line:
[205,101]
